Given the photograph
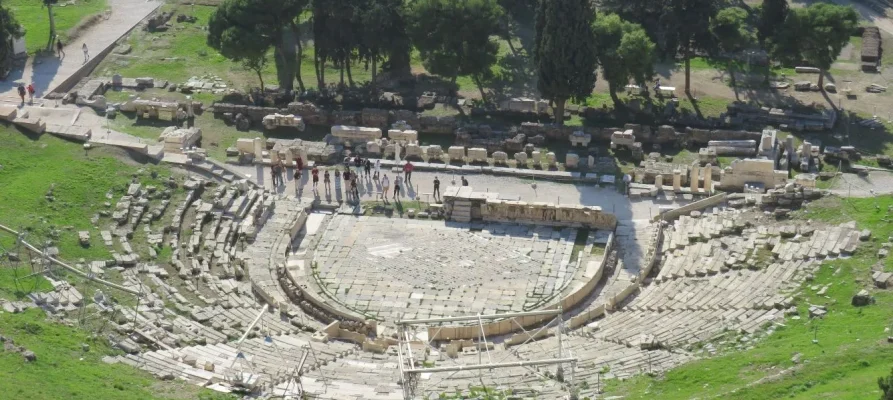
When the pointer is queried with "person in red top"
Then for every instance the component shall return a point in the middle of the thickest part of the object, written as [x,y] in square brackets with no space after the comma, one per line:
[315,173]
[31,92]
[407,171]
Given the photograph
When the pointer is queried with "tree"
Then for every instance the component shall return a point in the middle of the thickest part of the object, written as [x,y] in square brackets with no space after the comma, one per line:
[624,52]
[829,29]
[563,53]
[247,29]
[885,383]
[383,35]
[732,33]
[690,25]
[772,14]
[454,37]
[9,30]
[49,5]
[335,35]
[256,63]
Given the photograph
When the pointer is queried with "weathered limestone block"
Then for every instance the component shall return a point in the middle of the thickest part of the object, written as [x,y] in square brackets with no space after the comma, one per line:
[176,139]
[625,138]
[413,150]
[571,160]
[356,133]
[521,158]
[477,154]
[245,145]
[550,158]
[500,157]
[274,121]
[434,152]
[373,146]
[580,138]
[456,152]
[536,156]
[348,118]
[404,135]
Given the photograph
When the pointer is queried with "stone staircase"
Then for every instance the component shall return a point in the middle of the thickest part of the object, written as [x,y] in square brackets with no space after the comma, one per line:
[461,210]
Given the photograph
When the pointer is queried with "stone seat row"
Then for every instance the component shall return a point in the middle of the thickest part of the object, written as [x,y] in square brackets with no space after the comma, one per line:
[735,289]
[677,328]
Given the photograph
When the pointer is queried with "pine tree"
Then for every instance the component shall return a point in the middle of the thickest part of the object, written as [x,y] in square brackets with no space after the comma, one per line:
[564,54]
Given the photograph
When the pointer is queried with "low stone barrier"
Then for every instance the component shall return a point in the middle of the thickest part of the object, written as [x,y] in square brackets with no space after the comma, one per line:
[688,208]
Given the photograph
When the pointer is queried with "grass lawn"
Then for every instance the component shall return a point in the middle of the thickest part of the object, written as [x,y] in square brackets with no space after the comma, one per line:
[31,165]
[64,371]
[852,349]
[33,16]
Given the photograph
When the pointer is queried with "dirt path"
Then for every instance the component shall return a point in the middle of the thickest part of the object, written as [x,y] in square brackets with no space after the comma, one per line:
[48,72]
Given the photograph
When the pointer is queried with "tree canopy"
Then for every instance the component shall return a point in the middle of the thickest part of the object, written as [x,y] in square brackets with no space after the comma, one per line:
[624,53]
[732,33]
[454,37]
[772,14]
[817,34]
[9,29]
[246,30]
[564,56]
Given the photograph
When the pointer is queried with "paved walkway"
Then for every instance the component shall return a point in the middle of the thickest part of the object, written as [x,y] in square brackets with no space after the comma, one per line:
[422,188]
[48,72]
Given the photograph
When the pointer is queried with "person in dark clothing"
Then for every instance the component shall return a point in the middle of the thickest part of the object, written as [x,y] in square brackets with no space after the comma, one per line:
[436,188]
[273,174]
[59,48]
[326,180]
[368,167]
[464,181]
[22,93]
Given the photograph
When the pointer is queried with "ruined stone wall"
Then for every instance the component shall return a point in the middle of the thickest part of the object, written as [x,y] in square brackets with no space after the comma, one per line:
[745,171]
[547,213]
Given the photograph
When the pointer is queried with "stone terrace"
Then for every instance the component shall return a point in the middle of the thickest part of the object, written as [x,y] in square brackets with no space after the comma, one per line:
[402,268]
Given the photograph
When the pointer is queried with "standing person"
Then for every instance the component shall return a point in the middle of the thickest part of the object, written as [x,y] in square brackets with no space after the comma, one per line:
[407,170]
[396,187]
[358,162]
[61,53]
[273,174]
[464,181]
[436,188]
[346,177]
[297,180]
[22,92]
[86,53]
[299,163]
[355,186]
[315,174]
[377,169]
[368,167]
[385,186]
[627,179]
[31,92]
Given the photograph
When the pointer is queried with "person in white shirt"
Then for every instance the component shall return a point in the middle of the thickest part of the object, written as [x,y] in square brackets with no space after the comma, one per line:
[385,186]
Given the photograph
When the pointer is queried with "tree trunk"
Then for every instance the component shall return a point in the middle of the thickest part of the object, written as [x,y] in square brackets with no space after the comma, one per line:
[285,72]
[821,80]
[260,77]
[52,27]
[300,60]
[731,70]
[559,111]
[317,70]
[687,68]
[349,74]
[612,90]
[341,70]
[480,85]
[374,70]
